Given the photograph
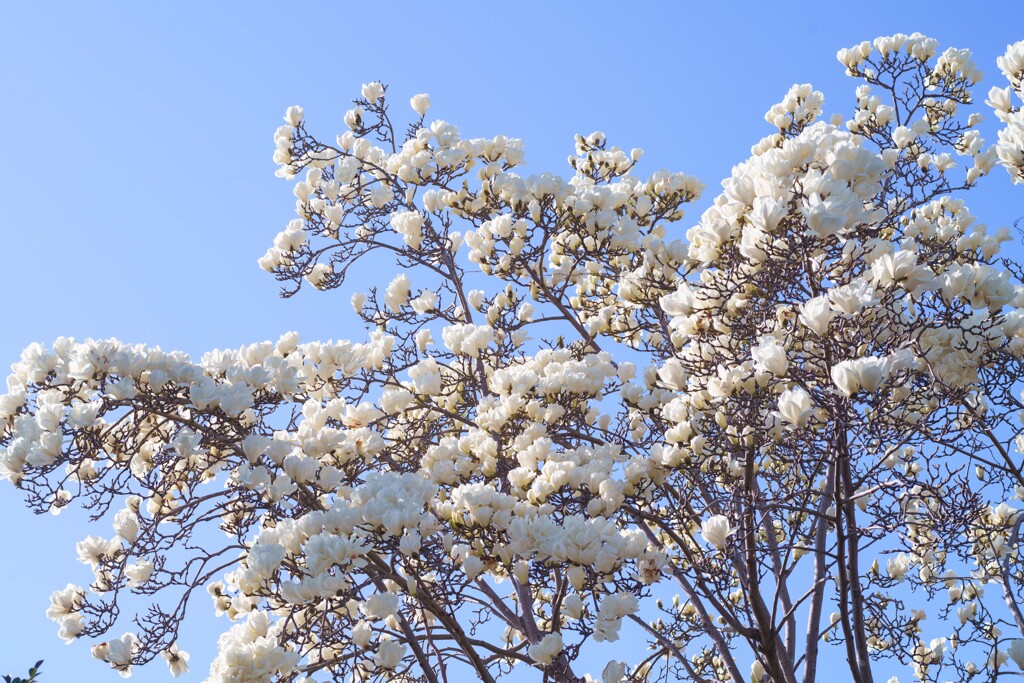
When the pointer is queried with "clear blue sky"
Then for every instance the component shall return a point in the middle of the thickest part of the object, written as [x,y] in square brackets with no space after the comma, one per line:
[138,188]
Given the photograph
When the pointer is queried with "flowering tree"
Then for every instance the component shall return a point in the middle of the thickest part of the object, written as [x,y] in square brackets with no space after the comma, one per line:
[566,423]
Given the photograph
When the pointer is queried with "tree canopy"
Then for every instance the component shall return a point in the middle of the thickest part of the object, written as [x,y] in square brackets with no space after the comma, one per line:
[793,426]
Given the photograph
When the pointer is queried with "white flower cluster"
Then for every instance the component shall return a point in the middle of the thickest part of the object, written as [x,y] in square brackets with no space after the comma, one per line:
[118,653]
[801,106]
[64,609]
[251,651]
[917,46]
[1011,137]
[229,382]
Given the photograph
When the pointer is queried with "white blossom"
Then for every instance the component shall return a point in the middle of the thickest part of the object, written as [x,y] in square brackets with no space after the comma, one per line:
[420,103]
[716,531]
[547,649]
[795,407]
[177,660]
[816,314]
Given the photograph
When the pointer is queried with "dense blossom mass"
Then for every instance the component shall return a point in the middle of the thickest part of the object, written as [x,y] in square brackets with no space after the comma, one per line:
[795,429]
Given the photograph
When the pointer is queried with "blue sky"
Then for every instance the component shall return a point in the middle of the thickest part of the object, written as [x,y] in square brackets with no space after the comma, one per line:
[139,191]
